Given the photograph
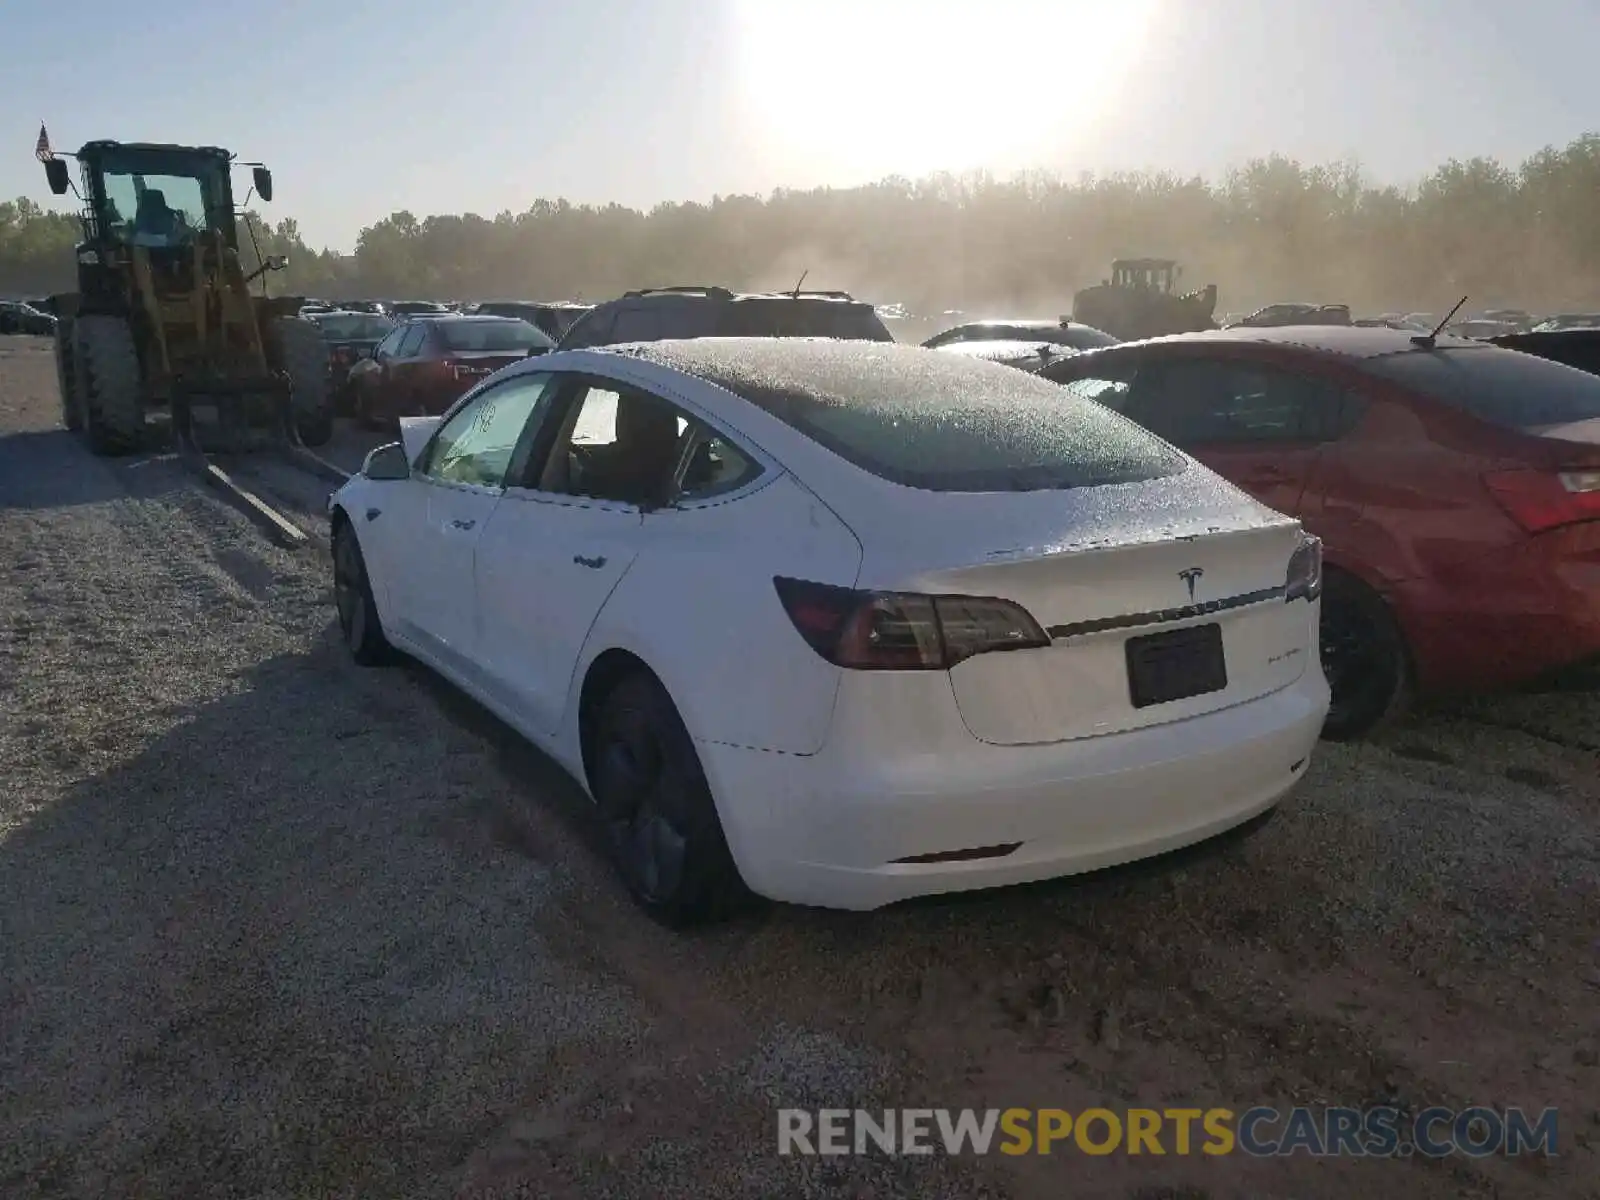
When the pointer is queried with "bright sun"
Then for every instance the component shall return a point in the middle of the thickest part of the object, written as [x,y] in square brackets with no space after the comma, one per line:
[867,88]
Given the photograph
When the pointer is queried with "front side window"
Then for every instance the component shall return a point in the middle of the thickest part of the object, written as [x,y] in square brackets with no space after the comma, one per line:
[1218,402]
[616,444]
[412,341]
[389,345]
[477,443]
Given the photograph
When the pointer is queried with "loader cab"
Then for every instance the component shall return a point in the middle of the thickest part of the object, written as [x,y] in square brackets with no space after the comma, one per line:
[1145,274]
[157,196]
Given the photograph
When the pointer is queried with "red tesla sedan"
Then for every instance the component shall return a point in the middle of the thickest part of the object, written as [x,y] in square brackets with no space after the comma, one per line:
[421,367]
[1455,485]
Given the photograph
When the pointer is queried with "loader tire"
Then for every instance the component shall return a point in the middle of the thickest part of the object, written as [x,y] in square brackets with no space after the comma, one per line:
[303,355]
[107,385]
[71,414]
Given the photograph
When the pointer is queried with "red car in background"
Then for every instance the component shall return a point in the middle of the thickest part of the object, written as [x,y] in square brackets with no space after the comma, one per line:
[1455,485]
[426,362]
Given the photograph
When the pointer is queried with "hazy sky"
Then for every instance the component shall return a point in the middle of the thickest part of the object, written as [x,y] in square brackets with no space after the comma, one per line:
[364,107]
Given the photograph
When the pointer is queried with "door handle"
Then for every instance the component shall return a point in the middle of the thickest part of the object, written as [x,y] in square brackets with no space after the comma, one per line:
[462,524]
[592,563]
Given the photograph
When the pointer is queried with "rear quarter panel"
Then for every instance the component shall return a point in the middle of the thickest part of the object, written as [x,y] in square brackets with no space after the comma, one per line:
[699,607]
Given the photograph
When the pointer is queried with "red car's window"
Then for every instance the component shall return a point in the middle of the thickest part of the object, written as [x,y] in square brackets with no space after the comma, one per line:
[1503,387]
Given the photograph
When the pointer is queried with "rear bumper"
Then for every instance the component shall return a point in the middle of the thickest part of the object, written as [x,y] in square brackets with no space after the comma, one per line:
[828,829]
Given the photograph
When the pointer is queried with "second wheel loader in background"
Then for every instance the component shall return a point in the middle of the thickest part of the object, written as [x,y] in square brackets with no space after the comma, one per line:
[1140,301]
[164,316]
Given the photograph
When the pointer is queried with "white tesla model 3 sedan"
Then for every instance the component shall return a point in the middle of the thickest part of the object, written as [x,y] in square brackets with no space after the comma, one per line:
[846,622]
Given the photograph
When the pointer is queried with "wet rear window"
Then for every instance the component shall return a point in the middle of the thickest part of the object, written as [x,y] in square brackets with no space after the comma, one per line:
[801,318]
[931,420]
[1503,387]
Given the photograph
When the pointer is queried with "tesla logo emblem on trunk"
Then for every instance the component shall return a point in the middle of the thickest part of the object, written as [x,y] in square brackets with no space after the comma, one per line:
[1191,577]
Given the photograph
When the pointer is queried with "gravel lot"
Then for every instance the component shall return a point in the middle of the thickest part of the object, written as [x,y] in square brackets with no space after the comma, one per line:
[274,926]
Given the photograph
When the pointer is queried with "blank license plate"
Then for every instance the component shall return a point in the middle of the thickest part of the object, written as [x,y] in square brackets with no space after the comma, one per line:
[1163,667]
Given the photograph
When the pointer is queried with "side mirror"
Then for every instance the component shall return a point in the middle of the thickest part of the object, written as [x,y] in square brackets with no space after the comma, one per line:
[277,262]
[262,178]
[387,462]
[55,170]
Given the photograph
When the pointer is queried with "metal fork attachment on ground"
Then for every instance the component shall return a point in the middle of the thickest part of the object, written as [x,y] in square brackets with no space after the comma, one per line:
[279,434]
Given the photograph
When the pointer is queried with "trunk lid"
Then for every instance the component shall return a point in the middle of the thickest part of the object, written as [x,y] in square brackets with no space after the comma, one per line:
[1096,568]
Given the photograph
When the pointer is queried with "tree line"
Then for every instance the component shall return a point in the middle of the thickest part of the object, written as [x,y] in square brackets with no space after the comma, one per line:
[1273,229]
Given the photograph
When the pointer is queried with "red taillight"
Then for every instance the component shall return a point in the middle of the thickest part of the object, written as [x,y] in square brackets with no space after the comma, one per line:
[1540,500]
[902,631]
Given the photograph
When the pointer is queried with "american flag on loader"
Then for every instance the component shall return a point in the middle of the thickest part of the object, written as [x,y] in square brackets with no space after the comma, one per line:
[41,148]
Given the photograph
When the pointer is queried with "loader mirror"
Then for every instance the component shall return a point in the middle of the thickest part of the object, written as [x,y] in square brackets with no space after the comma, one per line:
[55,170]
[277,262]
[387,462]
[262,178]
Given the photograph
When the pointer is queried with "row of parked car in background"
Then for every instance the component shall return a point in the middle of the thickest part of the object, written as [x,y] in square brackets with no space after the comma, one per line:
[1001,566]
[1426,461]
[574,495]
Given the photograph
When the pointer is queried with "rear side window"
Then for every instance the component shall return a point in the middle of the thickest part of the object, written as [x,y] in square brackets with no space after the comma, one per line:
[1213,402]
[987,429]
[644,324]
[1502,387]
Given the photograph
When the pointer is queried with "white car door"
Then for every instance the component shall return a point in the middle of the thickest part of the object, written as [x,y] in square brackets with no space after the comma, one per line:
[558,544]
[458,480]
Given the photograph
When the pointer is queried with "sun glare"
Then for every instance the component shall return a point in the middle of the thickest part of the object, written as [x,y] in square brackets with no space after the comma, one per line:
[870,88]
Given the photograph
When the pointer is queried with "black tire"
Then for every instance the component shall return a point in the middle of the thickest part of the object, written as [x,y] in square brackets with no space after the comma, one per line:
[1364,657]
[107,384]
[301,352]
[66,356]
[661,821]
[358,611]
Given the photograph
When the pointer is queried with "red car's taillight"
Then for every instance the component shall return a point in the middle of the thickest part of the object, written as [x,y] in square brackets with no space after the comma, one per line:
[902,631]
[1541,500]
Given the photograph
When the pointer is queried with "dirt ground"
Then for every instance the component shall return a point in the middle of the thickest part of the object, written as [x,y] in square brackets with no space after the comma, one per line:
[274,926]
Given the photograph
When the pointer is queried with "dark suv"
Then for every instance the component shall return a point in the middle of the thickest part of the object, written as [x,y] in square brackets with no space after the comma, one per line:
[655,314]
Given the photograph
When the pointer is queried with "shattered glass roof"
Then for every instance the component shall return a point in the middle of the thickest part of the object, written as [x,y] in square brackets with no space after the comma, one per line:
[925,418]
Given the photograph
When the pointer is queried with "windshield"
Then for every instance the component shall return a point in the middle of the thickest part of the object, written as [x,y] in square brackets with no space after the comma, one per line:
[162,199]
[353,327]
[1503,387]
[508,337]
